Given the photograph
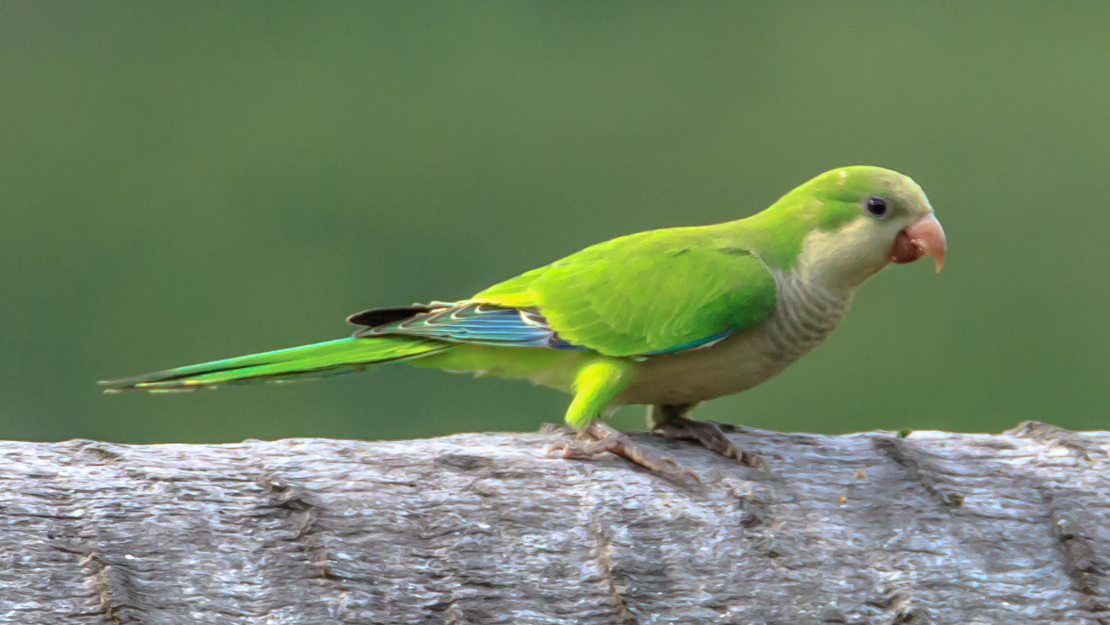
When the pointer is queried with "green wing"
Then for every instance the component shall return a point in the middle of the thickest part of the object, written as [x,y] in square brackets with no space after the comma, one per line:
[648,293]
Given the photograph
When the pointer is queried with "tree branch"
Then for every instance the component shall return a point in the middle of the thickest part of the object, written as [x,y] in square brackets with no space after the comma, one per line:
[484,529]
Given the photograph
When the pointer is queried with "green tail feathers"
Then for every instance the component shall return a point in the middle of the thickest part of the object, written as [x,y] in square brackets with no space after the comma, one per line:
[319,359]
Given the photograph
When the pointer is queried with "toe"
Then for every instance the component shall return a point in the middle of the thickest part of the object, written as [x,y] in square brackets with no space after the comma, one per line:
[560,447]
[732,451]
[754,461]
[709,435]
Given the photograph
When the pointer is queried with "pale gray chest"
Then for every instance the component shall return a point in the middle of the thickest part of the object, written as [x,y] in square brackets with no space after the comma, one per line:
[803,317]
[805,314]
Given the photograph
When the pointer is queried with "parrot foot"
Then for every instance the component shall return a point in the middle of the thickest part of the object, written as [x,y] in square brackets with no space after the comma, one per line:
[609,440]
[672,423]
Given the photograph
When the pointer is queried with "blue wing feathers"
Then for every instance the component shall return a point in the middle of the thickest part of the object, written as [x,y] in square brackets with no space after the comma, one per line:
[488,324]
[473,323]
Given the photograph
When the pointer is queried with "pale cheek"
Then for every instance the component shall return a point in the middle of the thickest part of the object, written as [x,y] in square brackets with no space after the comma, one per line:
[870,252]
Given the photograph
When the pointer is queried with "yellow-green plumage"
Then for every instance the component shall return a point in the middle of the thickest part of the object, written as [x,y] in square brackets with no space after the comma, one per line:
[671,316]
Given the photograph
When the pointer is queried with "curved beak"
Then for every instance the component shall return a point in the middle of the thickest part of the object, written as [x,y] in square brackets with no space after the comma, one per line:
[924,237]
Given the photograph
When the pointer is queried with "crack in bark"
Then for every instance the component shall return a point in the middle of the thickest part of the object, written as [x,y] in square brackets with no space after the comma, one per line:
[113,588]
[903,454]
[301,507]
[604,556]
[1081,563]
[899,605]
[1073,538]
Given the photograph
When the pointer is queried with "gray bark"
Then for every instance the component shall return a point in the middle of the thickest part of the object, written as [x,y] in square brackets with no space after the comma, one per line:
[484,528]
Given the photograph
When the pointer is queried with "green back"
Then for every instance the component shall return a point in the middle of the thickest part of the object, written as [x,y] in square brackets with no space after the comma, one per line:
[651,292]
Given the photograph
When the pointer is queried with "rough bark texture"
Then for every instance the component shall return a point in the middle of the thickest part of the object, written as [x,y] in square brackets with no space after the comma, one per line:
[484,528]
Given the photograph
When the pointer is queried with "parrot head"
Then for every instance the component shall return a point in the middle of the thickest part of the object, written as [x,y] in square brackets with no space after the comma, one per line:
[855,220]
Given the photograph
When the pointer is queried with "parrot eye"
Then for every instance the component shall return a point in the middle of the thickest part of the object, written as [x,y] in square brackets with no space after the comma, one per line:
[876,206]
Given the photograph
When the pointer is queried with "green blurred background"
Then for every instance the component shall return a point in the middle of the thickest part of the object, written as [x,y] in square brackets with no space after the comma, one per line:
[184,181]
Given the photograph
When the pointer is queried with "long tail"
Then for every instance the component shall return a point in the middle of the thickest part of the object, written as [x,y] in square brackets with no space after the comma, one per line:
[319,359]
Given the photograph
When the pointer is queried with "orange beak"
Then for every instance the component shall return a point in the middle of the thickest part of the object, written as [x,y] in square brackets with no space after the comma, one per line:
[924,237]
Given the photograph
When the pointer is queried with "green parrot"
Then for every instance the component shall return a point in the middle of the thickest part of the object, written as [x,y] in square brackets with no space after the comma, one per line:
[667,318]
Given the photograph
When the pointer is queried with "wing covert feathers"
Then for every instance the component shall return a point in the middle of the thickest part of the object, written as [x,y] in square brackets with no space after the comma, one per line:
[649,293]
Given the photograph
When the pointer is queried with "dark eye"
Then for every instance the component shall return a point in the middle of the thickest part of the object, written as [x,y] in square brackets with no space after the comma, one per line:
[876,206]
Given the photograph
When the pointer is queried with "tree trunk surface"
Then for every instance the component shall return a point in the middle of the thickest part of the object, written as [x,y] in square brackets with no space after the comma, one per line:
[486,528]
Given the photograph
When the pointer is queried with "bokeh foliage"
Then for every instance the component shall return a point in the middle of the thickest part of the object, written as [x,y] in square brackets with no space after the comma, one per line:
[183,181]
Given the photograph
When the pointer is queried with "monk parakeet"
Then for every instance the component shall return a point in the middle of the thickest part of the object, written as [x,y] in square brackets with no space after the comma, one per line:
[667,318]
